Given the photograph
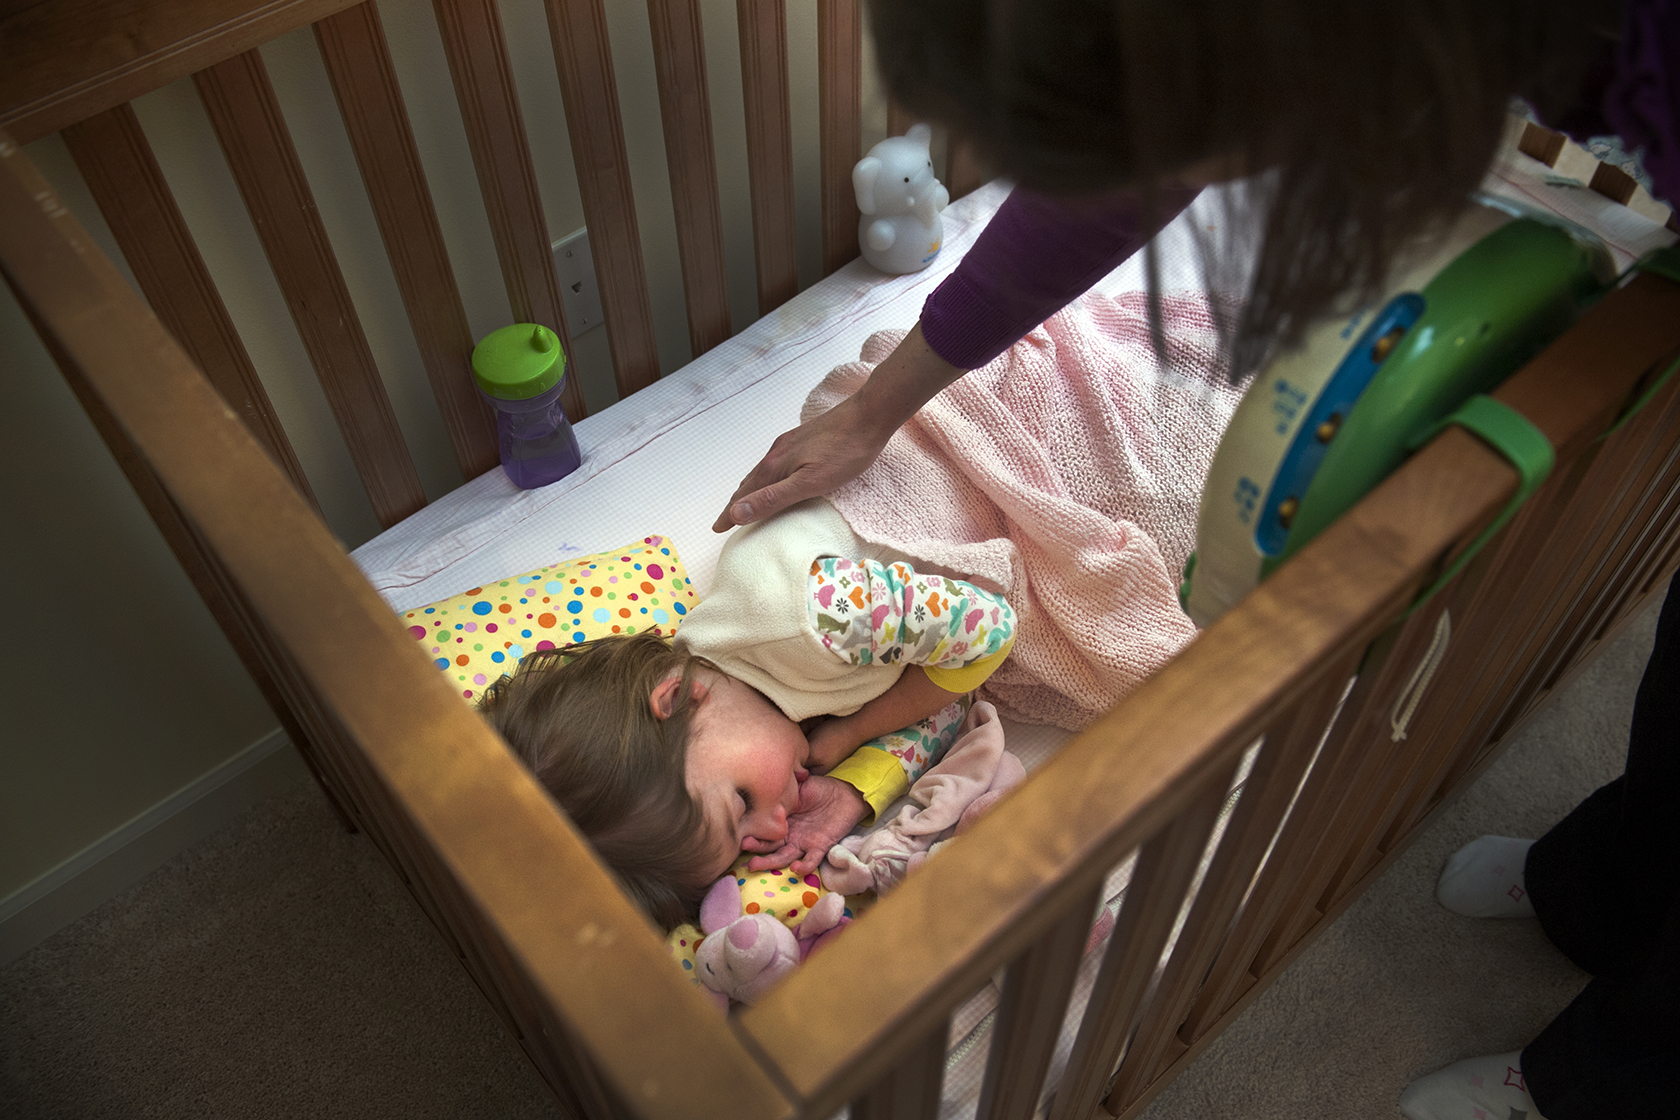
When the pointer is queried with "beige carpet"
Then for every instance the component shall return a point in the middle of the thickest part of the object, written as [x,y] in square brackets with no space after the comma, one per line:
[279,970]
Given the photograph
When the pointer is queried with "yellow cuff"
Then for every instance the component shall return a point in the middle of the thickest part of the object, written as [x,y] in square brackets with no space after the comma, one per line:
[967,678]
[875,774]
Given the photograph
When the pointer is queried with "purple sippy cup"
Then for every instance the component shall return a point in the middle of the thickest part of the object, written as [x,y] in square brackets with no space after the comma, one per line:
[520,370]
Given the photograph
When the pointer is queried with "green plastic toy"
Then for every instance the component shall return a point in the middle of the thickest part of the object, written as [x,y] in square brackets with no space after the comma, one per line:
[1326,422]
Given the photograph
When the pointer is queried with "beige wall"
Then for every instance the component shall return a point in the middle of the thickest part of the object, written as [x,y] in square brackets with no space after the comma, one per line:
[119,689]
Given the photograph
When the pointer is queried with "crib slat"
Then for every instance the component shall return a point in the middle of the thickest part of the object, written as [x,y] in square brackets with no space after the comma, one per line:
[1482,612]
[764,85]
[358,64]
[62,63]
[116,161]
[1634,579]
[1397,662]
[247,121]
[840,97]
[910,1090]
[583,55]
[1166,864]
[1289,746]
[679,59]
[1279,877]
[1626,456]
[1351,801]
[1561,554]
[1364,813]
[1508,612]
[1029,1016]
[964,170]
[483,79]
[1611,520]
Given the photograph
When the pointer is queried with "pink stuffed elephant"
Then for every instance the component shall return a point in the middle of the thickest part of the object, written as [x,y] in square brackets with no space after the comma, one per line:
[744,954]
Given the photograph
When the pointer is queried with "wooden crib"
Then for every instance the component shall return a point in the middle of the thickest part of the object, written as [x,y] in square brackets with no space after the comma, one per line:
[578,976]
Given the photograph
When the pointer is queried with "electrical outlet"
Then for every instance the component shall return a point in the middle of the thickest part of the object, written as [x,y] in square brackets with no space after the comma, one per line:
[574,264]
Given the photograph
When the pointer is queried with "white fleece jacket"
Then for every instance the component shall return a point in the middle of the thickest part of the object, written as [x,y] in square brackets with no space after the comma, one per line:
[753,623]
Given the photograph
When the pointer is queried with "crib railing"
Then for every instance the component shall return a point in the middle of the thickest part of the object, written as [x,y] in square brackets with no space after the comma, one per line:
[1343,776]
[585,984]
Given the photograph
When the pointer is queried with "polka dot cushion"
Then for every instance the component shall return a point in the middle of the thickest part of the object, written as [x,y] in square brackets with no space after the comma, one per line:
[479,635]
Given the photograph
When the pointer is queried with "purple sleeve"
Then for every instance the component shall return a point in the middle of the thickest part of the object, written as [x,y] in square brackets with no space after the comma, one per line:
[1037,255]
[1642,102]
[1634,93]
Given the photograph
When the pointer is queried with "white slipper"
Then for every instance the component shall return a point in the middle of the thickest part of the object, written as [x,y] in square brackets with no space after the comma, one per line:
[1488,1088]
[1484,879]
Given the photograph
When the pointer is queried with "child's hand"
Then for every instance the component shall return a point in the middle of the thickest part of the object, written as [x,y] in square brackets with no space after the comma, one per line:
[828,808]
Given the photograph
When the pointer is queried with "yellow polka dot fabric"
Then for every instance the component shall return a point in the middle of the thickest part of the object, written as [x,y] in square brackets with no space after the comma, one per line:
[480,635]
[683,943]
[781,894]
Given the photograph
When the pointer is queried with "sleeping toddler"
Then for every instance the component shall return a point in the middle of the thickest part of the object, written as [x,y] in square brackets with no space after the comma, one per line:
[758,728]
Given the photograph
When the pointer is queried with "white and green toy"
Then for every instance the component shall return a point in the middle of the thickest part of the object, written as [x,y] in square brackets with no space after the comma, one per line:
[1324,423]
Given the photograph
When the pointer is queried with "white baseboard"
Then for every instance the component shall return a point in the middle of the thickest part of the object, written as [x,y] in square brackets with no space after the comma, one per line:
[34,913]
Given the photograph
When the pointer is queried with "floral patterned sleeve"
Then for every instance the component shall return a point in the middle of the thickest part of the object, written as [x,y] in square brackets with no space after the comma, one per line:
[868,612]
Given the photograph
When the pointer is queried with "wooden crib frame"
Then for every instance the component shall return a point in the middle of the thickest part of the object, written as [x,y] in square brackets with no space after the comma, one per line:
[574,971]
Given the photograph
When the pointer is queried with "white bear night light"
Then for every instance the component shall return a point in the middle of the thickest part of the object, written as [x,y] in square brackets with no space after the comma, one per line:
[900,229]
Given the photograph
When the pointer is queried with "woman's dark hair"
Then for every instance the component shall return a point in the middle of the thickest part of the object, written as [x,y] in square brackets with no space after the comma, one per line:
[580,718]
[1376,119]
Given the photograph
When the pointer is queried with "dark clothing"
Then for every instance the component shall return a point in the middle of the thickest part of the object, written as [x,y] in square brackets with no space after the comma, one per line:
[1635,93]
[1605,883]
[1040,253]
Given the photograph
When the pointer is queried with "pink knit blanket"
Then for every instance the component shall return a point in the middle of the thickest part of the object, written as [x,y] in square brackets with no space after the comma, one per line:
[1066,474]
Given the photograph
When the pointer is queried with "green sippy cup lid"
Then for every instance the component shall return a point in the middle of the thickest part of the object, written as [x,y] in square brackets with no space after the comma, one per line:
[518,362]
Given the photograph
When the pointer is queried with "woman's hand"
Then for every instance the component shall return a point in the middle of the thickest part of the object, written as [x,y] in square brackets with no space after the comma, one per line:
[828,808]
[830,450]
[820,455]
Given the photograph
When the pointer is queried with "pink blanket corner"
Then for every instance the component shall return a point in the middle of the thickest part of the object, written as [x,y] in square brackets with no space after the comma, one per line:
[1066,474]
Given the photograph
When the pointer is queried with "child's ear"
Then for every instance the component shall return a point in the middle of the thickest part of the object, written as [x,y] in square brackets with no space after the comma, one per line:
[664,696]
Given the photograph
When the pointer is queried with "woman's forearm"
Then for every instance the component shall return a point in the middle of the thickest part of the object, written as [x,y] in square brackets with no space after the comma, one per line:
[907,379]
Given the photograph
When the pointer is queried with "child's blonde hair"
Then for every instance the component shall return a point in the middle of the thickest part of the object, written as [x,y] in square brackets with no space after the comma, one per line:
[582,720]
